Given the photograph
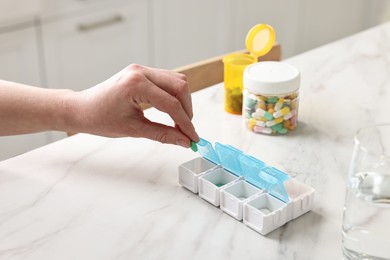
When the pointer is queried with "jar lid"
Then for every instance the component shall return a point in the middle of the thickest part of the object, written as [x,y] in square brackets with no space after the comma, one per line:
[271,77]
[260,39]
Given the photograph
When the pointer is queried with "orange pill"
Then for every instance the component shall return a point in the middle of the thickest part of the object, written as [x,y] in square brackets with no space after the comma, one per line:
[292,127]
[287,124]
[269,106]
[261,105]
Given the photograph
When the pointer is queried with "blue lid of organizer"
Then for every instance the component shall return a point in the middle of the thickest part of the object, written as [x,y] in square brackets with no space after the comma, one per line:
[281,176]
[251,167]
[255,171]
[207,151]
[264,177]
[229,157]
[273,180]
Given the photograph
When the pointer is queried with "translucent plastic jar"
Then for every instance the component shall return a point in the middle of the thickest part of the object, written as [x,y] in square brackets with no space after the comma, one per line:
[271,97]
[234,66]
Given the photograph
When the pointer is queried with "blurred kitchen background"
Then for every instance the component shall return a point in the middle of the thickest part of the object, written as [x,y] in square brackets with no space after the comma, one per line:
[78,43]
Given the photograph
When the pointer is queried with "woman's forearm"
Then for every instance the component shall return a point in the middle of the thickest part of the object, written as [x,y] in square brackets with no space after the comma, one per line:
[25,109]
[111,108]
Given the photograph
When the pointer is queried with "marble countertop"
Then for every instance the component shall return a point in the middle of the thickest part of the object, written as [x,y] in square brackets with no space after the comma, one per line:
[89,197]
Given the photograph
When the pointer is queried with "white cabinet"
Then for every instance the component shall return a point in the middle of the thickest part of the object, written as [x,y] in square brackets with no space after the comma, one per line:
[75,47]
[19,55]
[18,11]
[14,145]
[19,62]
[83,50]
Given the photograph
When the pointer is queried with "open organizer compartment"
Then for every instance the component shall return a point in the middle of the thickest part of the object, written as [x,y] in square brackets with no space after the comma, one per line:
[244,187]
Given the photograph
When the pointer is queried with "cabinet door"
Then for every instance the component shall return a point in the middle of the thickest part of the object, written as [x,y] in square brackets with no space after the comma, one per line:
[19,62]
[19,56]
[81,51]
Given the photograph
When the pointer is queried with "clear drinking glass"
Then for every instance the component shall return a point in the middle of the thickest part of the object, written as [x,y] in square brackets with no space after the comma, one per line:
[366,221]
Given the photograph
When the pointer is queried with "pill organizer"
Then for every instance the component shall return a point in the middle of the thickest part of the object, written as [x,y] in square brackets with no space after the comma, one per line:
[244,187]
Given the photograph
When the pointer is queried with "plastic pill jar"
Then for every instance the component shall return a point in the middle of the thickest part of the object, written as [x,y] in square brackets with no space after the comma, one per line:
[259,41]
[271,97]
[234,65]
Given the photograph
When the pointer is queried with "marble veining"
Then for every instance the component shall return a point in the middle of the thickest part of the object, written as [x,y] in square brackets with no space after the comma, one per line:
[89,197]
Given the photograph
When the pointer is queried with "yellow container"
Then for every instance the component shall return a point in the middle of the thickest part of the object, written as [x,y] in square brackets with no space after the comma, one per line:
[259,41]
[234,66]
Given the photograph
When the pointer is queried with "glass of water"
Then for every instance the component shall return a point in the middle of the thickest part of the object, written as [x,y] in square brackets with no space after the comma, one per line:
[366,221]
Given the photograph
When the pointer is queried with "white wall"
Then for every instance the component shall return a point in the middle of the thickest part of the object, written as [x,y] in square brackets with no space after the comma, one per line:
[300,25]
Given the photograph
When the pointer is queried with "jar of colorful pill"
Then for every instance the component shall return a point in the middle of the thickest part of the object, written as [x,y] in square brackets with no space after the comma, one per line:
[271,97]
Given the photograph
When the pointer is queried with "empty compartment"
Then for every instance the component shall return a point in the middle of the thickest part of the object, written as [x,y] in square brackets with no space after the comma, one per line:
[265,213]
[301,196]
[190,171]
[231,200]
[211,183]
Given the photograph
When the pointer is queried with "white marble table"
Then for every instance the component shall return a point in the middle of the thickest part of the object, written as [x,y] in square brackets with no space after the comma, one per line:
[89,197]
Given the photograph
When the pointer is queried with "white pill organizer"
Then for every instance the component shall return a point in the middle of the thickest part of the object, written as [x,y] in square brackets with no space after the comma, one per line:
[244,187]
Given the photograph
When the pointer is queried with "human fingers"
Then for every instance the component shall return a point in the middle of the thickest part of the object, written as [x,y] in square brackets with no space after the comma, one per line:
[164,134]
[179,129]
[174,83]
[167,103]
[169,72]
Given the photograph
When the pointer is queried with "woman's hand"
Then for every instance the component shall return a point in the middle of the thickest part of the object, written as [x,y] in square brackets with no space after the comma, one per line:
[112,108]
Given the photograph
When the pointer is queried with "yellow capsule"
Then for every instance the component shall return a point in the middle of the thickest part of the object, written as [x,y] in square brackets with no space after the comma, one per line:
[263,119]
[278,120]
[252,123]
[281,112]
[262,98]
[285,110]
[274,122]
[279,104]
[269,106]
[271,111]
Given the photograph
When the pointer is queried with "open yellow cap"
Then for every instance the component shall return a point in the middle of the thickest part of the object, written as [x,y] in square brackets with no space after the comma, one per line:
[260,39]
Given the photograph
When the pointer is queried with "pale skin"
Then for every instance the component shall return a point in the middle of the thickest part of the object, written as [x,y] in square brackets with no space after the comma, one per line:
[111,108]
